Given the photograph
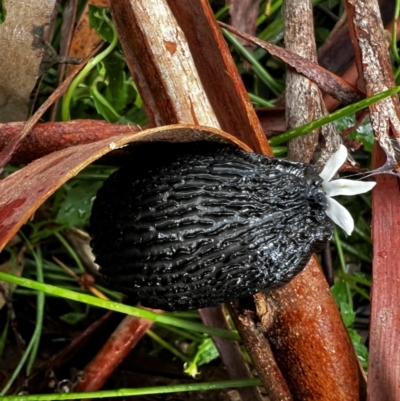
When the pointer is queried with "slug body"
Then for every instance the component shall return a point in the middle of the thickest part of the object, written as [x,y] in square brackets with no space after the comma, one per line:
[196,225]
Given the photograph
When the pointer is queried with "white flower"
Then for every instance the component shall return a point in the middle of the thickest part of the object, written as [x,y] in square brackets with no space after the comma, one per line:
[335,211]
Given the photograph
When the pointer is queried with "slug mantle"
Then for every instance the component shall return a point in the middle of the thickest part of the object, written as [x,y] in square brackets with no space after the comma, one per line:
[186,226]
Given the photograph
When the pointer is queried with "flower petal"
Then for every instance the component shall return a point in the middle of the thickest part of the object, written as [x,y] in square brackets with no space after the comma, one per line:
[347,187]
[334,163]
[340,215]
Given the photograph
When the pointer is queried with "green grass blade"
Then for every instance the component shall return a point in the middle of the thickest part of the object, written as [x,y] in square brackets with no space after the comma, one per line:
[127,392]
[31,350]
[261,72]
[345,111]
[118,307]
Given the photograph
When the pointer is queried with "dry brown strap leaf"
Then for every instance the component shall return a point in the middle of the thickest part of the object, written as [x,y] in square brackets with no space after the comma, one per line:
[326,80]
[24,191]
[163,89]
[384,357]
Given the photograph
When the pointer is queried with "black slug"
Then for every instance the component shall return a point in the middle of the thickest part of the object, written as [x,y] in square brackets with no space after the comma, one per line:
[186,226]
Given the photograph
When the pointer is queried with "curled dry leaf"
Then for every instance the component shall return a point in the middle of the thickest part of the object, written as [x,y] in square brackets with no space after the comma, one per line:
[24,191]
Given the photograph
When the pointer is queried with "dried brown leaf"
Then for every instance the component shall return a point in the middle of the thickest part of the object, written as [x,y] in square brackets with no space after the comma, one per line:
[24,191]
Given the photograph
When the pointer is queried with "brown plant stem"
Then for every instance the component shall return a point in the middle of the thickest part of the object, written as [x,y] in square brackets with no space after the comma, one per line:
[46,138]
[120,343]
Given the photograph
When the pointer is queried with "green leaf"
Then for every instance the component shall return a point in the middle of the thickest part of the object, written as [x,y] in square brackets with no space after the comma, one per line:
[206,353]
[116,92]
[339,292]
[347,313]
[73,318]
[98,22]
[103,107]
[77,204]
[364,135]
[360,348]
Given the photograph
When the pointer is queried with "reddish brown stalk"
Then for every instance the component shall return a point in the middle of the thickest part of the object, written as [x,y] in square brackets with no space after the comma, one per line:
[120,343]
[305,339]
[45,138]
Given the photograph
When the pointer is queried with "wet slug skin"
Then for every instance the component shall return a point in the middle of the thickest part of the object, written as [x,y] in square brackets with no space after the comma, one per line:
[187,226]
